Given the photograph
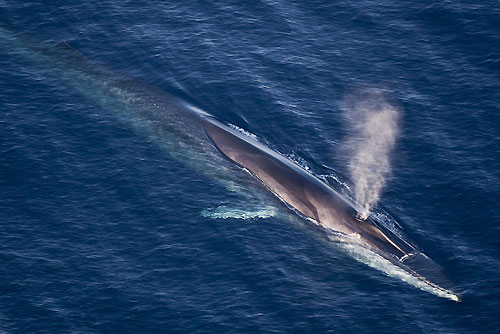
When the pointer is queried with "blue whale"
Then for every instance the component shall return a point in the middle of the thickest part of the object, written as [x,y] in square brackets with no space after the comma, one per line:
[316,200]
[213,148]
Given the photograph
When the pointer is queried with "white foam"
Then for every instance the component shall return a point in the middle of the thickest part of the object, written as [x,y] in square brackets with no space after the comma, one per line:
[225,212]
[246,133]
[374,260]
[299,161]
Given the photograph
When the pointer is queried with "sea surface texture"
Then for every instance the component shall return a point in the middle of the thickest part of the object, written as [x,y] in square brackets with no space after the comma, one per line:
[104,230]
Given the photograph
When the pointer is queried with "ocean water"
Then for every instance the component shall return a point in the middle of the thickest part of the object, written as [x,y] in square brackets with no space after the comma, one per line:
[104,232]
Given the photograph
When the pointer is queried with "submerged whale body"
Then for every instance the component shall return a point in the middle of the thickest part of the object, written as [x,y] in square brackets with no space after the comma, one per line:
[202,142]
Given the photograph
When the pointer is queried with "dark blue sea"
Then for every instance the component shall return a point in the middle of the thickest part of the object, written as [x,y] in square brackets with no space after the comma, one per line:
[103,231]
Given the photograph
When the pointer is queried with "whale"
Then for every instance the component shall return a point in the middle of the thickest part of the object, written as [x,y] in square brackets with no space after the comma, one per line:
[222,152]
[316,200]
[301,190]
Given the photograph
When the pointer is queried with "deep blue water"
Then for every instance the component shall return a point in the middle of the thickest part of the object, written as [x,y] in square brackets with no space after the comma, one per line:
[103,232]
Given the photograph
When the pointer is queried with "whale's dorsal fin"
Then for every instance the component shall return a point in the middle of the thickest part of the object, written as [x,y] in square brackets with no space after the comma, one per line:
[66,47]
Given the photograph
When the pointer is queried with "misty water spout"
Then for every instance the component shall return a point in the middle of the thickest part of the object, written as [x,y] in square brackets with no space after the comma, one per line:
[373,127]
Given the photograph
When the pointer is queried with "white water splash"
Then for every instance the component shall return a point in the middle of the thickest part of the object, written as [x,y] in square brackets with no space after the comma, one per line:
[366,256]
[225,212]
[373,126]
